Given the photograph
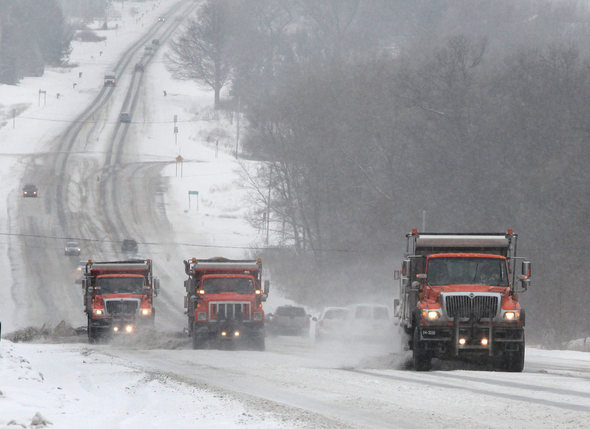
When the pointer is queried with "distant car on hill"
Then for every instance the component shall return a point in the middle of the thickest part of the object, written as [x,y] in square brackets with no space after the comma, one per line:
[72,249]
[110,79]
[125,117]
[30,190]
[129,245]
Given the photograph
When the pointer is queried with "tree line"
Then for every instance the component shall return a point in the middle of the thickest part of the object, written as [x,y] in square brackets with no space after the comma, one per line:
[375,117]
[33,34]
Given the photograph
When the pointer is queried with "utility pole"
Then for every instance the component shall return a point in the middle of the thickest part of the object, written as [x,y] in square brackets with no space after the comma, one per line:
[238,129]
[268,204]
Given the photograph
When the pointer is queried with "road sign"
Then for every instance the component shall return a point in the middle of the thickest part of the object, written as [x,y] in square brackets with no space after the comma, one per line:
[189,199]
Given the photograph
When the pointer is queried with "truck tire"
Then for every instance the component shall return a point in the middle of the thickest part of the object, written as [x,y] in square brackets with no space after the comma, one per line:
[258,342]
[420,357]
[198,340]
[93,334]
[514,361]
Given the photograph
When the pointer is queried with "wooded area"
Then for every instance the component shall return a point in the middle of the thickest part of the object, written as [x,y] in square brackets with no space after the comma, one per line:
[375,117]
[33,34]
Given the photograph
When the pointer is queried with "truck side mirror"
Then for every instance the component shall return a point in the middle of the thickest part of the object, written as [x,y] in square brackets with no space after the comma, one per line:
[405,283]
[156,286]
[526,283]
[266,290]
[396,307]
[406,266]
[188,286]
[525,277]
[526,269]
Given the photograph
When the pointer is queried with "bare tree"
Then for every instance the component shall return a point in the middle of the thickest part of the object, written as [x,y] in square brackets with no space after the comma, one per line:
[202,52]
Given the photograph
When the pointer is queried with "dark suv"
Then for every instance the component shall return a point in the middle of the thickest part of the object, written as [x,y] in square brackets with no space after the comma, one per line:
[129,245]
[289,320]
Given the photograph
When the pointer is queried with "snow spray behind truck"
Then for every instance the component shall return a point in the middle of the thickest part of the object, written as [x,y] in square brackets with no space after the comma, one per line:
[224,301]
[118,297]
[459,299]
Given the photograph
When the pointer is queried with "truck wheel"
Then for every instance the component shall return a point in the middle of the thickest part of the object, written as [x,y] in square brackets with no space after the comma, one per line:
[514,361]
[93,334]
[420,357]
[198,342]
[258,343]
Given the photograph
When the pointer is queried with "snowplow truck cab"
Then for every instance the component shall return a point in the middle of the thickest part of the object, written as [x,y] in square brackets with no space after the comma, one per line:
[459,299]
[224,302]
[118,298]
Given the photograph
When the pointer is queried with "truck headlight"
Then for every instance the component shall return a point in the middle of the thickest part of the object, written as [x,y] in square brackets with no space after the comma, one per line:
[98,312]
[511,315]
[146,311]
[257,316]
[201,315]
[430,314]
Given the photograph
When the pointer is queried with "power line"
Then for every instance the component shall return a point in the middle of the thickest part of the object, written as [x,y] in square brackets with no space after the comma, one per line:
[211,246]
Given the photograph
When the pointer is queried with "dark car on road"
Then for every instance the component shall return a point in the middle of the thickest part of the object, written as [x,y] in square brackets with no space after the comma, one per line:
[289,320]
[129,245]
[139,67]
[125,117]
[30,190]
[110,79]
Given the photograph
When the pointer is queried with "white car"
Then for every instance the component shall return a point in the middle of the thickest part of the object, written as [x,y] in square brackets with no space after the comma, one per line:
[330,323]
[370,322]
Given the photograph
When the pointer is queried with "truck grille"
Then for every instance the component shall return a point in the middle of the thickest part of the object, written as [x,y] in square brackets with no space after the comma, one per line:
[230,310]
[121,308]
[472,306]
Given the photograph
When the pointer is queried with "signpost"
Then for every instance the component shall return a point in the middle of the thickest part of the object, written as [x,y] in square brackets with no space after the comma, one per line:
[196,193]
[175,130]
[44,97]
[179,160]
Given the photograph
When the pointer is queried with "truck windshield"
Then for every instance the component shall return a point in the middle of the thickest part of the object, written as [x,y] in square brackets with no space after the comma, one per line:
[465,270]
[236,285]
[108,285]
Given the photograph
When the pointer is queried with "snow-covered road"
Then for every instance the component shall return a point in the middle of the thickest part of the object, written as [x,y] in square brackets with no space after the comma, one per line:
[294,384]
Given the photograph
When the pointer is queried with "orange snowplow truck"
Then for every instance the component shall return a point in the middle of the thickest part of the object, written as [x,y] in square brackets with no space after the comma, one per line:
[224,302]
[459,299]
[118,297]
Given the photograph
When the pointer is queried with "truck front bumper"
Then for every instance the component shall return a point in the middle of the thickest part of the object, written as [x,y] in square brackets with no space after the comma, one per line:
[449,341]
[228,330]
